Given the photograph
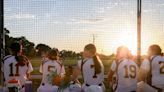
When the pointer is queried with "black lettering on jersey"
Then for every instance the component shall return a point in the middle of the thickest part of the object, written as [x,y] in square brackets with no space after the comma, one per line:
[94,76]
[11,70]
[161,67]
[130,71]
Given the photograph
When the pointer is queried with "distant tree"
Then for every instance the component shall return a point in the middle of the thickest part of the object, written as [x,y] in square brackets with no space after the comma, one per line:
[69,54]
[30,50]
[28,47]
[7,41]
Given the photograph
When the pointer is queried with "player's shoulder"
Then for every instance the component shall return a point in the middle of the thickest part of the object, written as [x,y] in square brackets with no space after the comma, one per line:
[134,63]
[45,62]
[25,57]
[145,63]
[57,62]
[129,61]
[146,60]
[162,57]
[81,62]
[123,61]
[159,59]
[7,57]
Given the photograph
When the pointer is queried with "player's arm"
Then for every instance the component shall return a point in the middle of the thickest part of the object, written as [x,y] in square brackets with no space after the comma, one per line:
[76,73]
[142,75]
[144,70]
[30,69]
[111,73]
[63,70]
[41,69]
[110,76]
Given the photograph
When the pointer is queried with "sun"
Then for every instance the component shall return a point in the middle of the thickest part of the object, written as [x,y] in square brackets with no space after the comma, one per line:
[129,39]
[124,38]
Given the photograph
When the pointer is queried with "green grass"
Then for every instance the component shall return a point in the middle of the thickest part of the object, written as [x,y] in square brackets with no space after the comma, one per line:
[36,83]
[37,62]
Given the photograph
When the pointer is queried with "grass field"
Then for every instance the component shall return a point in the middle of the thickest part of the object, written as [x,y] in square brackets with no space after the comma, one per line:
[37,62]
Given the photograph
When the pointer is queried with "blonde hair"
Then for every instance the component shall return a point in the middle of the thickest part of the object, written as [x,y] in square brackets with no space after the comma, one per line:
[124,48]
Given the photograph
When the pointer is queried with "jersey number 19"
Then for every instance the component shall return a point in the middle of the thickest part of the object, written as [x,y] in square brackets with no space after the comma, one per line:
[130,71]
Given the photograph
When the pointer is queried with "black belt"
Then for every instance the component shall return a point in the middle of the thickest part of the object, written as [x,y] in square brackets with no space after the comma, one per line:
[23,86]
[89,85]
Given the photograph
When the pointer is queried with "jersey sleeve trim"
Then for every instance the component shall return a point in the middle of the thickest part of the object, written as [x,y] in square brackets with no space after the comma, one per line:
[6,57]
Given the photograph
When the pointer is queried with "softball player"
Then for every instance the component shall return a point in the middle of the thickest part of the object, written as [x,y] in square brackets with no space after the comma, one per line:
[152,70]
[126,71]
[16,66]
[91,68]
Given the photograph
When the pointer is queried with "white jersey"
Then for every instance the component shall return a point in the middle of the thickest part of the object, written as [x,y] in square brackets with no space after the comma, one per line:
[156,67]
[126,74]
[42,62]
[49,66]
[12,70]
[88,72]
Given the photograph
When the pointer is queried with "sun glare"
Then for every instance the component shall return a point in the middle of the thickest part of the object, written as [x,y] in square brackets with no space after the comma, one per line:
[129,40]
[125,38]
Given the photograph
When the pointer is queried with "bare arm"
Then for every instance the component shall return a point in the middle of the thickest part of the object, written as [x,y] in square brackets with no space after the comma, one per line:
[76,73]
[144,70]
[110,75]
[28,76]
[142,75]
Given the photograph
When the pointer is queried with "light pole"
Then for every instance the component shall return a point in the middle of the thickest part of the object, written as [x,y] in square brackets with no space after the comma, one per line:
[139,4]
[2,37]
[93,39]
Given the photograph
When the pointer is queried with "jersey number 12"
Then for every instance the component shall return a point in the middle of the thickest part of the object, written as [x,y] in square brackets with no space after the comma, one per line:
[162,67]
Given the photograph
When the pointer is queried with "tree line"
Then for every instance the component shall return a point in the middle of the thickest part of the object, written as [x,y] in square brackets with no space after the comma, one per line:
[32,50]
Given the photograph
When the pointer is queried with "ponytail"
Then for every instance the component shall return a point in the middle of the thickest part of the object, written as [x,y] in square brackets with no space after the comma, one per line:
[92,49]
[15,48]
[97,65]
[22,60]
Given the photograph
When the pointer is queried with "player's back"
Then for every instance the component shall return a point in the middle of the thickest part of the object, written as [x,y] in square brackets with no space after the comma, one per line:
[12,70]
[157,65]
[89,71]
[127,75]
[49,66]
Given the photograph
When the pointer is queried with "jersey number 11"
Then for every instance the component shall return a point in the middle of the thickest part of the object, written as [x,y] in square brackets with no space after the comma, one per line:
[11,70]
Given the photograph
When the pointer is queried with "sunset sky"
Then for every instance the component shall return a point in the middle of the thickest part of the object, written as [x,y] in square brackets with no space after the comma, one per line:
[70,24]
